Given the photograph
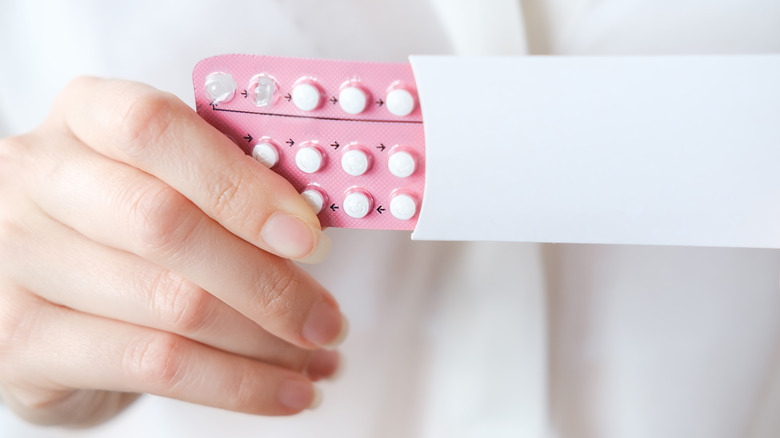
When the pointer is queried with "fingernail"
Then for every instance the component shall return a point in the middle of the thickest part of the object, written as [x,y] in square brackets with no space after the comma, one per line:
[299,395]
[317,400]
[324,364]
[342,334]
[326,326]
[320,251]
[289,236]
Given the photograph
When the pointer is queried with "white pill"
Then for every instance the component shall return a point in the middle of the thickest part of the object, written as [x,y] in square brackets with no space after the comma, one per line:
[400,102]
[266,153]
[309,159]
[306,96]
[402,164]
[220,87]
[353,100]
[355,162]
[403,207]
[315,199]
[357,204]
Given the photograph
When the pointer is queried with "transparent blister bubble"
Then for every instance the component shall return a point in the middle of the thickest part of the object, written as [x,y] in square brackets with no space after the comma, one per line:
[220,87]
[264,89]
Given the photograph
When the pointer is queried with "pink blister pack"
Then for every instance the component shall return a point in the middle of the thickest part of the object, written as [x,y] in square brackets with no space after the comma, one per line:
[347,135]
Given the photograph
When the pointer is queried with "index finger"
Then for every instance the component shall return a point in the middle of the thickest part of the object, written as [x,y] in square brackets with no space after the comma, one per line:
[156,132]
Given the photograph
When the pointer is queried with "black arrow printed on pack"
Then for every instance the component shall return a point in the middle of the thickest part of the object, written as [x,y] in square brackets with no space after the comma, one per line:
[335,145]
[381,147]
[334,207]
[334,100]
[245,94]
[248,137]
[380,102]
[380,210]
[290,142]
[288,96]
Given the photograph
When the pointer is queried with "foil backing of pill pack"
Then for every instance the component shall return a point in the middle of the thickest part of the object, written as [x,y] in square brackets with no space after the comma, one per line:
[347,135]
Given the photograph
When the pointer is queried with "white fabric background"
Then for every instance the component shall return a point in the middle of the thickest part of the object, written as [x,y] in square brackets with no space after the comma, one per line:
[461,339]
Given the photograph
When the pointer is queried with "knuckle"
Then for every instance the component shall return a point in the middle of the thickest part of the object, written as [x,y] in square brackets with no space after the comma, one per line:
[156,216]
[156,359]
[9,236]
[9,333]
[181,305]
[274,291]
[11,147]
[14,223]
[18,320]
[144,119]
[247,392]
[12,150]
[226,193]
[74,87]
[79,82]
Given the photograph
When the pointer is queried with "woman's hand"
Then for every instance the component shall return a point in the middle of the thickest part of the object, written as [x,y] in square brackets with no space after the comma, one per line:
[141,251]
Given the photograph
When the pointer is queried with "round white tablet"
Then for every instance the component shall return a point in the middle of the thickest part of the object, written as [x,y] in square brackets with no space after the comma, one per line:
[357,204]
[403,207]
[400,102]
[220,87]
[353,100]
[266,153]
[315,199]
[309,159]
[355,162]
[402,164]
[306,96]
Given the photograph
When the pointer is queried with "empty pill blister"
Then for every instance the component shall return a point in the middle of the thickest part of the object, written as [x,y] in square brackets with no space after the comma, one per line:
[347,135]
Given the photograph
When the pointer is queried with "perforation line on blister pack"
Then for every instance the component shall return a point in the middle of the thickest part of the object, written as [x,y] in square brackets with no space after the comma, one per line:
[348,135]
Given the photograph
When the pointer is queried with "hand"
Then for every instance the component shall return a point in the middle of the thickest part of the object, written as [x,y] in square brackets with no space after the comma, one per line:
[141,251]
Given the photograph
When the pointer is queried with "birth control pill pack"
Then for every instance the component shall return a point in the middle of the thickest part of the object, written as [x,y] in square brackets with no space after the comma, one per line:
[629,150]
[347,135]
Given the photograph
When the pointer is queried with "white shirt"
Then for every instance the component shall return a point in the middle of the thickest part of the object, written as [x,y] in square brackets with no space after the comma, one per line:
[461,339]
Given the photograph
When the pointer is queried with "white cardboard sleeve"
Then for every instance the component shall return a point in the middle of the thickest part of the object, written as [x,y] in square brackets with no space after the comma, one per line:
[667,150]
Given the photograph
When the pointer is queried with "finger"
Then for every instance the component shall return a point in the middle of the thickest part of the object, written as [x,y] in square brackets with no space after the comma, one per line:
[71,408]
[92,278]
[324,364]
[159,134]
[117,205]
[65,349]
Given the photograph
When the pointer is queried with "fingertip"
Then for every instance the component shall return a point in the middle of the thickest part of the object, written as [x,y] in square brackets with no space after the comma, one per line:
[325,326]
[324,364]
[321,250]
[289,236]
[339,339]
[317,399]
[298,395]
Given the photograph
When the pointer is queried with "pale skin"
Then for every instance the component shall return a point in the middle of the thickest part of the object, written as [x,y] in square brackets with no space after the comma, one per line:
[142,252]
